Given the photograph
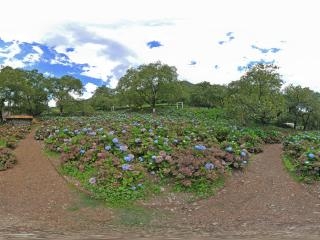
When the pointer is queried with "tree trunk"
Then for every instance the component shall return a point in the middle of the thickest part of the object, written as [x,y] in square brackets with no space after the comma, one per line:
[1,109]
[61,109]
[153,104]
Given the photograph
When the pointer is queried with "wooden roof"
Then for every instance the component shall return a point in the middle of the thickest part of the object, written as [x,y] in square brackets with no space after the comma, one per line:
[27,117]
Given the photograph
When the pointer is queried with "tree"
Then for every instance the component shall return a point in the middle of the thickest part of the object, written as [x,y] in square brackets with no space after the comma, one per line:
[207,95]
[147,83]
[63,87]
[303,105]
[257,95]
[37,91]
[11,88]
[103,99]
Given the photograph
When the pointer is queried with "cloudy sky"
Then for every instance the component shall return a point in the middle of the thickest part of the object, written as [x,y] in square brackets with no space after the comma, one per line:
[207,40]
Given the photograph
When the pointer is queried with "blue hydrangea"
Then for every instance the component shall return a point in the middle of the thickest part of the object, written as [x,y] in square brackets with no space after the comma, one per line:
[107,148]
[153,157]
[209,166]
[82,151]
[129,157]
[126,167]
[200,147]
[229,149]
[243,153]
[92,133]
[311,156]
[141,159]
[115,140]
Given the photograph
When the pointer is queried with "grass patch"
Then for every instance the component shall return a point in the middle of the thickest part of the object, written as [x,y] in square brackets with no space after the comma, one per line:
[291,168]
[136,216]
[3,143]
[203,188]
[51,154]
[85,201]
[114,196]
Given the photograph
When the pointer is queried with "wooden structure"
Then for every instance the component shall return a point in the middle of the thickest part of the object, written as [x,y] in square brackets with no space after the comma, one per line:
[19,119]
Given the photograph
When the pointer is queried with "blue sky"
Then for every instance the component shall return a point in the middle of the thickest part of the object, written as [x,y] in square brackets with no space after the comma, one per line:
[216,41]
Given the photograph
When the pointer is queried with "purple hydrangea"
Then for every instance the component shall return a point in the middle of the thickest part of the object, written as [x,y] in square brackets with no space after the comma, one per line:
[209,166]
[93,180]
[129,157]
[115,140]
[123,148]
[126,167]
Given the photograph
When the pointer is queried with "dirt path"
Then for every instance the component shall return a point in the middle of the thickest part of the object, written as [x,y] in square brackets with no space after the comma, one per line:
[261,203]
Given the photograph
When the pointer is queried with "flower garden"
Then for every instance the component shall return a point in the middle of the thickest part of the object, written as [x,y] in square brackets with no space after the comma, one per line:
[302,155]
[9,137]
[121,157]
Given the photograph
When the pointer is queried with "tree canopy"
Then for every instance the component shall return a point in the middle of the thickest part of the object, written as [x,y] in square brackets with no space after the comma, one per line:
[257,95]
[148,83]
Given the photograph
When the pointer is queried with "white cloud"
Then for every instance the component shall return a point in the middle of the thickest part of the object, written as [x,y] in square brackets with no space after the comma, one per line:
[89,90]
[188,31]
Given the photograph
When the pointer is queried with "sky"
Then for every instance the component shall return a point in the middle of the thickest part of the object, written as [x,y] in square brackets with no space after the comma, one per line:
[206,40]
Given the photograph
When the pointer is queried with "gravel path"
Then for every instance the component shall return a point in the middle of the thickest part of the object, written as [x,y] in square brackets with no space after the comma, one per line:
[263,203]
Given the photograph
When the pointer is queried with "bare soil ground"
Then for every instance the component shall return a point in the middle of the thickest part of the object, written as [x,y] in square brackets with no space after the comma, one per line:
[263,202]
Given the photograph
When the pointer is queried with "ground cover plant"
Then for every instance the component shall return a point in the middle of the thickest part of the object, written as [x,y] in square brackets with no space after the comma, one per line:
[9,137]
[302,155]
[124,156]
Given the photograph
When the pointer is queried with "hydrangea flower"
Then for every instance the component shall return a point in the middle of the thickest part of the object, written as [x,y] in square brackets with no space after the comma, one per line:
[82,151]
[243,153]
[123,148]
[141,159]
[229,149]
[156,141]
[115,140]
[129,157]
[200,147]
[311,156]
[137,140]
[133,188]
[209,166]
[126,167]
[107,148]
[93,180]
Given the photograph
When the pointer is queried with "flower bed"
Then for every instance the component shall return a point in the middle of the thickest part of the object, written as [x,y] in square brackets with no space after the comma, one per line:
[302,155]
[122,156]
